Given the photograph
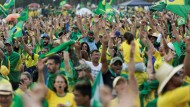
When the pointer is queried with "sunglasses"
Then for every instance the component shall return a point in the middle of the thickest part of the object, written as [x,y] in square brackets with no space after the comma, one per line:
[117,63]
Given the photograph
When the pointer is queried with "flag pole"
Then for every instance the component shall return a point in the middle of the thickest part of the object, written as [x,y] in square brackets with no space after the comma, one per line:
[14,7]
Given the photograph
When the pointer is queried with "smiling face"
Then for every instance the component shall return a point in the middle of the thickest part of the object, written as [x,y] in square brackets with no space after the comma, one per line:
[5,100]
[117,67]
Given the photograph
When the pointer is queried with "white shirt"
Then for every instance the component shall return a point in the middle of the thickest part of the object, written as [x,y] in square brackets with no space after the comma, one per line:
[94,69]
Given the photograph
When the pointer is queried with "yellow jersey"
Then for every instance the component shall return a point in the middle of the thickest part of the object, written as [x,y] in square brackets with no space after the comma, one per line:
[53,100]
[178,97]
[125,48]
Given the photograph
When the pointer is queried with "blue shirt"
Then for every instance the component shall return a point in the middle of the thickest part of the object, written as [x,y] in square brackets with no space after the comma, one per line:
[92,44]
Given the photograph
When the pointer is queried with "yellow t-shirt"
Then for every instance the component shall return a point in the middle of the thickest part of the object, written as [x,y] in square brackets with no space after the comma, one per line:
[53,100]
[125,48]
[108,56]
[31,62]
[179,97]
[140,76]
[159,60]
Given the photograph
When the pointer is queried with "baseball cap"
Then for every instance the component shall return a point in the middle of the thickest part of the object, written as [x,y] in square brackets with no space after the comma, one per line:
[45,36]
[90,32]
[5,87]
[84,67]
[115,59]
[117,34]
[8,42]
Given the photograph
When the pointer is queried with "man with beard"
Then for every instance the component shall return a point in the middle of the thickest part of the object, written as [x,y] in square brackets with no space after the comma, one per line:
[46,41]
[53,65]
[91,40]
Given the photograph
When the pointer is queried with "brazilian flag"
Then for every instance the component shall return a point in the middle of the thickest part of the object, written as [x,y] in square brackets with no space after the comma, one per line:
[107,1]
[16,31]
[9,3]
[23,15]
[63,3]
[179,7]
[61,47]
[3,10]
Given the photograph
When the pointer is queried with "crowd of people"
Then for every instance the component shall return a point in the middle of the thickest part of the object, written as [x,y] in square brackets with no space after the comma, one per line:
[142,58]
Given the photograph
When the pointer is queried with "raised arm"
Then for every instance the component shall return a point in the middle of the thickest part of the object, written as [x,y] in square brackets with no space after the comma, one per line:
[187,57]
[1,54]
[103,57]
[28,50]
[131,69]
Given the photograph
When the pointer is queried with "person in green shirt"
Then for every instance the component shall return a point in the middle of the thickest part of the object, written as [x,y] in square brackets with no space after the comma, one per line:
[53,65]
[15,63]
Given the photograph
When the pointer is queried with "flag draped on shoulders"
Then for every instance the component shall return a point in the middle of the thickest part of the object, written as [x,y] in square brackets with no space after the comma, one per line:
[179,7]
[96,90]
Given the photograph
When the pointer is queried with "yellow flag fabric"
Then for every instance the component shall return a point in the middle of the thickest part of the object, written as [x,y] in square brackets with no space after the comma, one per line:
[175,2]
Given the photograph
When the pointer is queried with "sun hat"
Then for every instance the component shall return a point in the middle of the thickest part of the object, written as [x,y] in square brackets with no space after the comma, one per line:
[115,81]
[115,59]
[165,73]
[5,87]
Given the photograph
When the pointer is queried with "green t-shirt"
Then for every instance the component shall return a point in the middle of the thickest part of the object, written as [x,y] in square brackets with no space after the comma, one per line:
[15,62]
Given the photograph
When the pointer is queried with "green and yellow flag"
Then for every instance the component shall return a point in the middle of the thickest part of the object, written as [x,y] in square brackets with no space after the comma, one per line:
[16,31]
[23,15]
[107,1]
[63,3]
[3,11]
[179,7]
[9,3]
[61,47]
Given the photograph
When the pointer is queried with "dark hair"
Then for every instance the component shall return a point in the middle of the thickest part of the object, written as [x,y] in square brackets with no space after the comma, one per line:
[66,82]
[129,37]
[95,50]
[88,48]
[84,88]
[56,59]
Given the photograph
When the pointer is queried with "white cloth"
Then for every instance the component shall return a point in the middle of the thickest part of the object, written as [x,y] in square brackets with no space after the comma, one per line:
[94,69]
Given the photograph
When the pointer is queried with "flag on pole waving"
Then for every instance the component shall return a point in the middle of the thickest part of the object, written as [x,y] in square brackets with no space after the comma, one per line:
[9,3]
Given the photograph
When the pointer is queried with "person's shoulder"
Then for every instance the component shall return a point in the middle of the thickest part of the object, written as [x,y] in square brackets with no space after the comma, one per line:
[70,95]
[15,53]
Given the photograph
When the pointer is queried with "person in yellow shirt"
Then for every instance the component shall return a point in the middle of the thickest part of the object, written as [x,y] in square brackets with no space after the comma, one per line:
[124,48]
[171,94]
[59,96]
[31,58]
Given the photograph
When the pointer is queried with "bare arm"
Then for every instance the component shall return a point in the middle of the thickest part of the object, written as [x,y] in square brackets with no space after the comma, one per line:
[103,57]
[28,50]
[131,70]
[1,54]
[187,57]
